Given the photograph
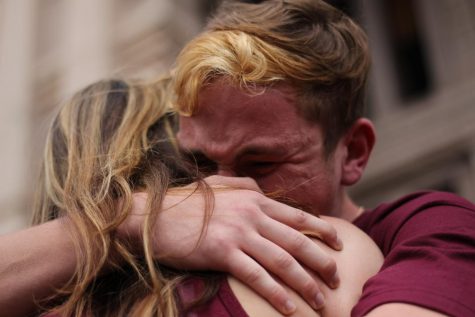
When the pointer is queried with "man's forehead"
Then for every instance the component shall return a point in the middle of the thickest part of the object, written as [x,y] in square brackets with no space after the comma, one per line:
[230,116]
[222,103]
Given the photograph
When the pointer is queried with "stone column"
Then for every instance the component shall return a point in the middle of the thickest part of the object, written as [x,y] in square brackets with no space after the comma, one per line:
[16,39]
[86,46]
[383,81]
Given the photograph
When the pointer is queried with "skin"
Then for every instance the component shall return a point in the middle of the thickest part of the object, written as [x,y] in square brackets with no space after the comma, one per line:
[34,263]
[263,137]
[248,236]
[354,269]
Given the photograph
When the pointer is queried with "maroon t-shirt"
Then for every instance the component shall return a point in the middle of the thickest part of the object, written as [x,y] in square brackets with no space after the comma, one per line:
[428,242]
[224,304]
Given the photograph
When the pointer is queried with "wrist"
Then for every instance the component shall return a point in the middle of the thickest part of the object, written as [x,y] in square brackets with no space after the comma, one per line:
[130,230]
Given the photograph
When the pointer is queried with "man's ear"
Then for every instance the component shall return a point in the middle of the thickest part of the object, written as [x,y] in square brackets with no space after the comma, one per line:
[359,142]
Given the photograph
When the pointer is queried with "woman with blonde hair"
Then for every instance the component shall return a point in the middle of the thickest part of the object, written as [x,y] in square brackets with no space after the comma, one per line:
[108,141]
[113,142]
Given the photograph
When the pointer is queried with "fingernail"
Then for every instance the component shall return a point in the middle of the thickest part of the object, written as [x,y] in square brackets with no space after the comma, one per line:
[339,244]
[319,301]
[335,281]
[289,307]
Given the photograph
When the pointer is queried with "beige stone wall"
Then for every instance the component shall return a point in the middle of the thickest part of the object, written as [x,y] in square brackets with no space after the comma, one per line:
[16,38]
[50,48]
[427,143]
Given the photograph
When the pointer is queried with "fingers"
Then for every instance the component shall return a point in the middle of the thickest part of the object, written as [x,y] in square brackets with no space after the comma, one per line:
[282,264]
[256,277]
[304,250]
[304,222]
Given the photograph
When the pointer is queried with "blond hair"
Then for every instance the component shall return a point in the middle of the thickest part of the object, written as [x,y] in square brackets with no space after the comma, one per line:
[308,44]
[111,139]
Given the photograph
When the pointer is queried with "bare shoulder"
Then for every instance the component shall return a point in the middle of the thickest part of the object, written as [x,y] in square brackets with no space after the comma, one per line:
[357,262]
[256,306]
[358,248]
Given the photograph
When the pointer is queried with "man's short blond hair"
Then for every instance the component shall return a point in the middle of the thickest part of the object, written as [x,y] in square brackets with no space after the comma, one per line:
[308,44]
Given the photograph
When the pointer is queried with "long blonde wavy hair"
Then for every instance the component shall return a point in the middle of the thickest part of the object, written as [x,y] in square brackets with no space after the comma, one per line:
[109,140]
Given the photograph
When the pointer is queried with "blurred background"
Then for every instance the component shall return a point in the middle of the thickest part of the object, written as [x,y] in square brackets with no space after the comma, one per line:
[422,88]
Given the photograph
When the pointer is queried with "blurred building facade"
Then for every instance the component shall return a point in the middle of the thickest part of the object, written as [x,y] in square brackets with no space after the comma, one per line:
[422,89]
[422,97]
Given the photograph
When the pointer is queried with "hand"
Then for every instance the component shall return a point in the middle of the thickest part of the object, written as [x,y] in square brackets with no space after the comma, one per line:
[248,236]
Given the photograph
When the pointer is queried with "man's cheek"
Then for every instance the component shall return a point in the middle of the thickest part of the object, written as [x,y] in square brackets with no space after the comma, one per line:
[279,184]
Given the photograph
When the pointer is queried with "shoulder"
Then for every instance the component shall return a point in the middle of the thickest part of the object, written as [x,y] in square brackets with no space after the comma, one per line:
[417,214]
[355,243]
[429,246]
[418,201]
[359,260]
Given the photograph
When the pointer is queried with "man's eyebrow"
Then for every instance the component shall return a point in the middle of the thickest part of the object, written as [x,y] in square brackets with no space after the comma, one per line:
[278,151]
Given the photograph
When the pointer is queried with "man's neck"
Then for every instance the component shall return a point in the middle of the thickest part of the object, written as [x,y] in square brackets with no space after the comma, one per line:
[347,209]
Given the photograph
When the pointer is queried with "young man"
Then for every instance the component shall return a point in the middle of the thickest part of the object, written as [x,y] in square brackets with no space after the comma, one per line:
[274,90]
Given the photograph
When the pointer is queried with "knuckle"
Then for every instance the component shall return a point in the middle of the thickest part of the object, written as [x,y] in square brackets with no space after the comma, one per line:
[234,229]
[298,241]
[250,211]
[300,217]
[329,267]
[284,260]
[220,244]
[253,196]
[251,276]
[224,242]
[328,230]
[246,211]
[309,287]
[276,293]
[226,238]
[332,234]
[229,263]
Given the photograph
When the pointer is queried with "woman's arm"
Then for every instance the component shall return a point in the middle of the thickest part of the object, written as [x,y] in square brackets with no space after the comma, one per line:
[243,224]
[33,263]
[37,261]
[357,262]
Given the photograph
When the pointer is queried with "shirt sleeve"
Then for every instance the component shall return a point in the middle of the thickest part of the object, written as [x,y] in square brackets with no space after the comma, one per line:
[428,241]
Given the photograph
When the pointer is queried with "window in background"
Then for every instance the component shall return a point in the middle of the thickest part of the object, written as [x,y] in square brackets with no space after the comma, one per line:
[411,64]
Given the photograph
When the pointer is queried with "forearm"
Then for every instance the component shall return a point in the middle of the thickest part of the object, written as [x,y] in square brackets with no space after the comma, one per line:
[34,263]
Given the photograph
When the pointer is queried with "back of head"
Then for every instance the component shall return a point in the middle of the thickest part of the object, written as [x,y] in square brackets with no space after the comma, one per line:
[102,135]
[309,44]
[109,140]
